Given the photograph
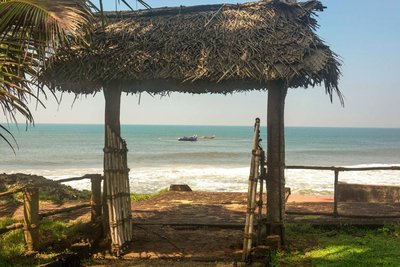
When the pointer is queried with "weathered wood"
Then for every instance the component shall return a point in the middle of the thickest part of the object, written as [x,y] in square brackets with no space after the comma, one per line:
[87,176]
[276,159]
[335,193]
[309,213]
[112,96]
[11,227]
[95,202]
[260,199]
[365,216]
[12,191]
[105,224]
[116,174]
[252,193]
[63,210]
[31,218]
[343,169]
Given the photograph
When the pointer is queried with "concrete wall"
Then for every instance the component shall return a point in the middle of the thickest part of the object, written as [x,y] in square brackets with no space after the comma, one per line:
[368,193]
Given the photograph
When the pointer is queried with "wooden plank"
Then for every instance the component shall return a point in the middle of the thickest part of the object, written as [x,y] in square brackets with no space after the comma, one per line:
[333,168]
[11,227]
[12,191]
[88,176]
[63,210]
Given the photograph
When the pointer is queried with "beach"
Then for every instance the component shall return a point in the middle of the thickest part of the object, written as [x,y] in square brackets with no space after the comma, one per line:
[157,159]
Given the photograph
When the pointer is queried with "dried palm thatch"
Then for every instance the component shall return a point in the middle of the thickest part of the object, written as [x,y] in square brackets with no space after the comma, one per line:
[201,49]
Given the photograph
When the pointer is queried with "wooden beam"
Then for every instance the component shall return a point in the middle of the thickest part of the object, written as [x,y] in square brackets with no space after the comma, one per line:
[276,159]
[63,210]
[343,169]
[12,191]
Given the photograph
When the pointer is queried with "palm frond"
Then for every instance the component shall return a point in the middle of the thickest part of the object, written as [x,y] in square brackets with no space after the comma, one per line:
[31,31]
[6,140]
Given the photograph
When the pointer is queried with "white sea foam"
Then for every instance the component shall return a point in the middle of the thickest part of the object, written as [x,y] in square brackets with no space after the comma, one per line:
[228,179]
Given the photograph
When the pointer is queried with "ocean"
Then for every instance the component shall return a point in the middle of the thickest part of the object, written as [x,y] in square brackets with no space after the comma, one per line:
[156,159]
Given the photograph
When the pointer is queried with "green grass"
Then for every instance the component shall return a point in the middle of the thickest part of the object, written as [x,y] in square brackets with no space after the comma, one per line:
[60,197]
[55,237]
[7,221]
[342,246]
[141,197]
[12,246]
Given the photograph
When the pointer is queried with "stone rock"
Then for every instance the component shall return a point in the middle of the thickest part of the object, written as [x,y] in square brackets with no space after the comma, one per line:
[180,187]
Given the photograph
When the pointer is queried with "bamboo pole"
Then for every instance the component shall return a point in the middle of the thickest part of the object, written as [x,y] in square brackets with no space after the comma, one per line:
[253,201]
[117,190]
[95,201]
[31,218]
[260,197]
[247,240]
[123,190]
[105,210]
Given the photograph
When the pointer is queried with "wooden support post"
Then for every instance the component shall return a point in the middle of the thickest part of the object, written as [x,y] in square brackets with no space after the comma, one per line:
[112,97]
[116,173]
[31,218]
[335,193]
[276,159]
[95,201]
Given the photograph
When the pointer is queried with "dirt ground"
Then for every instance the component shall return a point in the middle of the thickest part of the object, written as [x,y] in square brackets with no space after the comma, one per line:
[203,228]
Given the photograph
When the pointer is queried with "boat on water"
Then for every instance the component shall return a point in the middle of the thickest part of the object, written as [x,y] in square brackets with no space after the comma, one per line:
[188,138]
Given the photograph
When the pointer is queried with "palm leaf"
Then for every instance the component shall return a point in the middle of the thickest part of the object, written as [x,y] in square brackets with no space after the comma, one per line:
[30,31]
[6,140]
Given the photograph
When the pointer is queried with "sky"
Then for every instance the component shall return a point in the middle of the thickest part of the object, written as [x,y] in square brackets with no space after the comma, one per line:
[366,35]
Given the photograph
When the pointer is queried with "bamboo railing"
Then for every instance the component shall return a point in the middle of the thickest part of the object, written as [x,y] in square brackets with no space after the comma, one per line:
[336,171]
[257,174]
[32,216]
[116,177]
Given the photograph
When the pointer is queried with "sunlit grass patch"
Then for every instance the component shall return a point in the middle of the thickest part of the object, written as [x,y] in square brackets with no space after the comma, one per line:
[141,197]
[7,221]
[55,236]
[341,246]
[12,245]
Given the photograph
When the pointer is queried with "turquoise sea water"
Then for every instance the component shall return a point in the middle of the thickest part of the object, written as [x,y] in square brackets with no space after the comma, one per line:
[157,159]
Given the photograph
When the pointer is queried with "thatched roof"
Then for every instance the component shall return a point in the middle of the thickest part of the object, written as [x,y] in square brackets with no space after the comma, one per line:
[201,49]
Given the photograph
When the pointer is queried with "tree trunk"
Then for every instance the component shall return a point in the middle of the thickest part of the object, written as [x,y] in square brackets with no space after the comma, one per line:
[112,111]
[112,98]
[116,175]
[276,160]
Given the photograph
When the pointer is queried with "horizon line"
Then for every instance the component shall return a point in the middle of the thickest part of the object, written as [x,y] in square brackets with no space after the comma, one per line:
[201,125]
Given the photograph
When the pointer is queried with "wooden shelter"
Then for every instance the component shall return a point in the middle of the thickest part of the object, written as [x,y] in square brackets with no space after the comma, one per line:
[266,45]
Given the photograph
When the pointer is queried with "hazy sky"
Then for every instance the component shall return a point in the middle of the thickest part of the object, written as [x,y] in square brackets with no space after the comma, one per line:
[365,33]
